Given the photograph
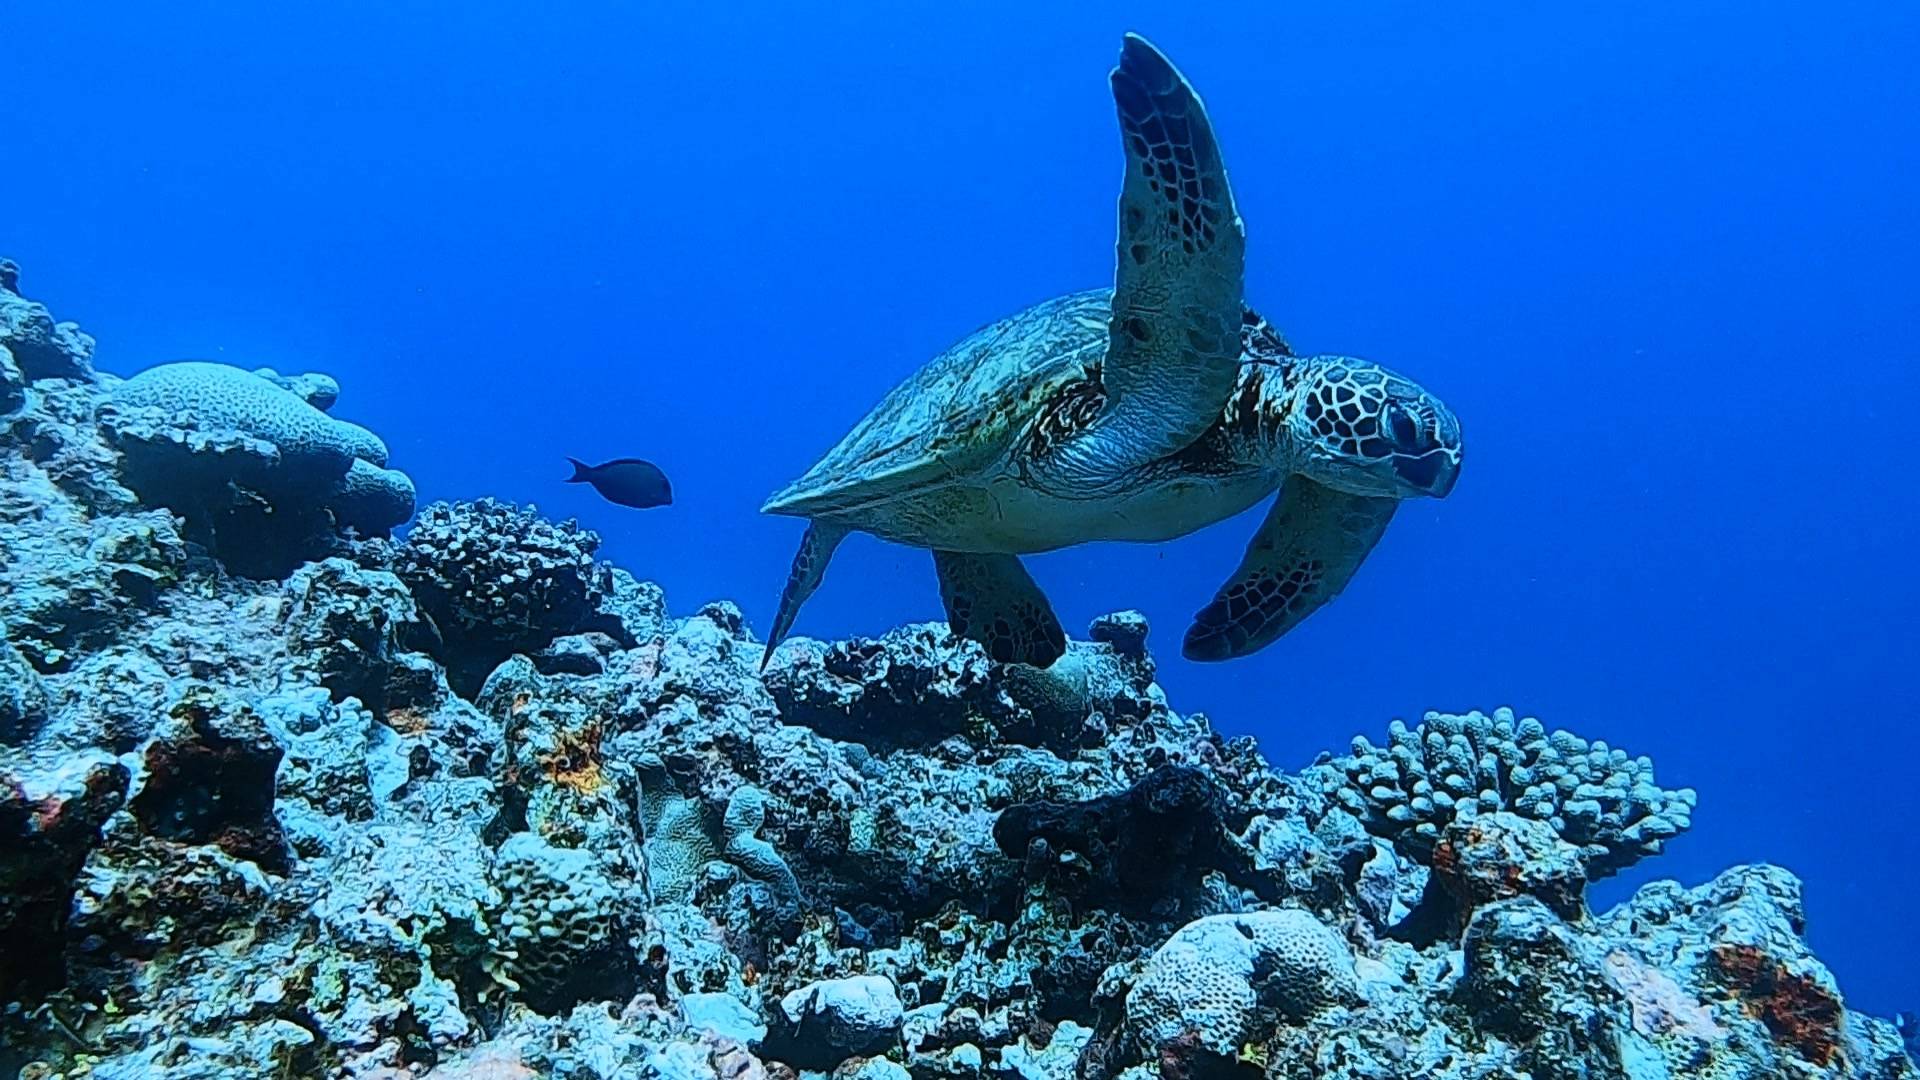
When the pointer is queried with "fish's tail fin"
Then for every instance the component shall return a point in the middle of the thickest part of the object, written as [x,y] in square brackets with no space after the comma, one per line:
[809,566]
[580,471]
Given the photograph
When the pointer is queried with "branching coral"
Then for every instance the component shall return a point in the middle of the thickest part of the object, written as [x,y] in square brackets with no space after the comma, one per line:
[1595,796]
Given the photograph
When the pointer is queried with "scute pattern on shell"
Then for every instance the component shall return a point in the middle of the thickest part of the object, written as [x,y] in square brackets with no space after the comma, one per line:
[960,411]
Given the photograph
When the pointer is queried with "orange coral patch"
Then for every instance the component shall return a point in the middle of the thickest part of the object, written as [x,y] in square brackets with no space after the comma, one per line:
[575,762]
[1797,1010]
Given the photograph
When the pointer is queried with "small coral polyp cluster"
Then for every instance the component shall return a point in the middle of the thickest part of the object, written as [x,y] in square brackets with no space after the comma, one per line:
[282,796]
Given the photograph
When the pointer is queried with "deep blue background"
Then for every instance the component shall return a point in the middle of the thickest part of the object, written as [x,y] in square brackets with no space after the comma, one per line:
[1660,259]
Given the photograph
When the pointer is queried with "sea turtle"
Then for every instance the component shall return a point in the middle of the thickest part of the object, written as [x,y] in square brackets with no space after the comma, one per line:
[1141,412]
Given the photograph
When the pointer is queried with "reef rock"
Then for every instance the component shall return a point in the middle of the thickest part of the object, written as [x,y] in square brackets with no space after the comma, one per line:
[279,797]
[40,347]
[824,1023]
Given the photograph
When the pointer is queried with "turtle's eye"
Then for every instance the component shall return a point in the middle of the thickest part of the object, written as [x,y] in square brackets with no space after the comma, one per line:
[1406,435]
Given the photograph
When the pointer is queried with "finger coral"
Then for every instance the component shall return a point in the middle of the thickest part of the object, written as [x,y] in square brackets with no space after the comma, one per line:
[1594,795]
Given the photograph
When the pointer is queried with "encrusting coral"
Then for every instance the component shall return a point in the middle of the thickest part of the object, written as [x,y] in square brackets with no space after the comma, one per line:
[473,804]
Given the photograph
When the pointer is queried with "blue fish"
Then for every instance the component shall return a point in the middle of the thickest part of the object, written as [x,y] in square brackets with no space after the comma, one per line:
[626,481]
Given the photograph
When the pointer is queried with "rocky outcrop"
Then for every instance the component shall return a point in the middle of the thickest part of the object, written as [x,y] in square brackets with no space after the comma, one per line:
[475,804]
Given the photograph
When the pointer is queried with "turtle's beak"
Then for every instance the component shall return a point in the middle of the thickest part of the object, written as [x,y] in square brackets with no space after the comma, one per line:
[1432,473]
[1426,443]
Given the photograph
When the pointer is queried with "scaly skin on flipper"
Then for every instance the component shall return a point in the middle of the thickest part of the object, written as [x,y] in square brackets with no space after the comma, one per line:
[994,601]
[809,567]
[1306,551]
[1173,350]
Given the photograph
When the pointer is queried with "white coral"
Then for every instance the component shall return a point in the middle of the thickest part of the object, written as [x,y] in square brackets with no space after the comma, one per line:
[1210,979]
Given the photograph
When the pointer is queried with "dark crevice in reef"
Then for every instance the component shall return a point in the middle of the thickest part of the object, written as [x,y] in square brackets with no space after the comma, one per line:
[281,795]
[1125,851]
[213,783]
[44,841]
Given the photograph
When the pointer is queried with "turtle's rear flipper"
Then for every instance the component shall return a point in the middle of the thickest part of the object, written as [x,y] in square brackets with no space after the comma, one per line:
[1313,540]
[993,600]
[809,566]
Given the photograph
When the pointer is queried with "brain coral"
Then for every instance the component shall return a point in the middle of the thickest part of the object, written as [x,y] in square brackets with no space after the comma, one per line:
[1216,977]
[208,440]
[218,395]
[1594,796]
[372,499]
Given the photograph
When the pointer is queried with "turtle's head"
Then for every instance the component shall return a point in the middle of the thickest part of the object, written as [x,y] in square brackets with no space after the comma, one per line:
[1359,428]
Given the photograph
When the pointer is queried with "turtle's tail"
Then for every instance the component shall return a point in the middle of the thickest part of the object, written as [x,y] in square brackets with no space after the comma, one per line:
[809,566]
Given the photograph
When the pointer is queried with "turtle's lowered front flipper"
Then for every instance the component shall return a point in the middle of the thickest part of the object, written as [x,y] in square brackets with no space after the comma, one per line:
[1173,351]
[809,566]
[993,600]
[1307,549]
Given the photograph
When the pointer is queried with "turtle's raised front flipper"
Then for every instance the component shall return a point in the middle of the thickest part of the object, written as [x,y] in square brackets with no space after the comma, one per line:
[1173,351]
[1307,549]
[993,600]
[809,566]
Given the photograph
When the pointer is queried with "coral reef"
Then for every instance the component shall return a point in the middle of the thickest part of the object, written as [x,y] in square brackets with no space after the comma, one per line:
[39,347]
[473,804]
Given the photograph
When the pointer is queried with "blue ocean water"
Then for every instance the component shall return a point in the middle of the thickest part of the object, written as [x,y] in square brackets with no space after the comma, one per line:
[1660,258]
